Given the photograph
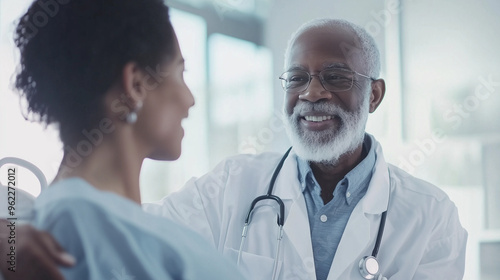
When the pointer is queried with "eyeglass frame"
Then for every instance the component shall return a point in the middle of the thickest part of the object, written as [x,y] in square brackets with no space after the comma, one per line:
[319,76]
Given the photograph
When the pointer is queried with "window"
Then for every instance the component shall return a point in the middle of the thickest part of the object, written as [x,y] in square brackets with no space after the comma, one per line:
[230,79]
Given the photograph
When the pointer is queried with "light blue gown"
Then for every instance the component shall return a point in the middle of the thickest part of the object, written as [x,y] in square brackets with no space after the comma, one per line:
[113,238]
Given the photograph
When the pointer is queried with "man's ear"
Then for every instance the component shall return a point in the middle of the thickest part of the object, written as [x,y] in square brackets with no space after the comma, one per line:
[377,94]
[133,79]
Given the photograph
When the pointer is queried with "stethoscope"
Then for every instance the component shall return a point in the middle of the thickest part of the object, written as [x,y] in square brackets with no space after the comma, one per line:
[368,266]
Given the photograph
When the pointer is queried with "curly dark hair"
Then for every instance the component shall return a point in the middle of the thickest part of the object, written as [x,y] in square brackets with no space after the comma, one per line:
[73,51]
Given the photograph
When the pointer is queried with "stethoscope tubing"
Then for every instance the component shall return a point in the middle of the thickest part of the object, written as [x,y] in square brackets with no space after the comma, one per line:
[281,221]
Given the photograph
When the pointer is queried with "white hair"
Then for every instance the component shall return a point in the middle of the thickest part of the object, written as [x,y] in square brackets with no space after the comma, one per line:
[369,52]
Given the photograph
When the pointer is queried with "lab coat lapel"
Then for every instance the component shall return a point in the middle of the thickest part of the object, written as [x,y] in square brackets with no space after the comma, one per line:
[363,224]
[296,226]
[355,238]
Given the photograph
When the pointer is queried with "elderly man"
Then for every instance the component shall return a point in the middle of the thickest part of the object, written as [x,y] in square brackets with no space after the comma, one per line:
[343,212]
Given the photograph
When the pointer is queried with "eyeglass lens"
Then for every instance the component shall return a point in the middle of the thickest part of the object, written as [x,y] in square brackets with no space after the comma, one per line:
[331,79]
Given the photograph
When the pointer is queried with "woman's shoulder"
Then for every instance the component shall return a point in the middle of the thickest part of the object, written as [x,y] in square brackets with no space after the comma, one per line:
[74,203]
[75,196]
[88,221]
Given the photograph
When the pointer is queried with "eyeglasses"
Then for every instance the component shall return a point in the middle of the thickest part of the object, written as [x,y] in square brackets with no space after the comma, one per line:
[332,79]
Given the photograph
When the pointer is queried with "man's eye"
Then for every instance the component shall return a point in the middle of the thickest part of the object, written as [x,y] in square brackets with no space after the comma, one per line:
[297,79]
[334,78]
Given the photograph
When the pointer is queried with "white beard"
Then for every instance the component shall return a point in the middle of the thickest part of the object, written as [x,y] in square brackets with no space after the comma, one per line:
[329,145]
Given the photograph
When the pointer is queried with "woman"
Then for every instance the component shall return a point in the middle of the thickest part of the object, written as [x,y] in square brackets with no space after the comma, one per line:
[109,74]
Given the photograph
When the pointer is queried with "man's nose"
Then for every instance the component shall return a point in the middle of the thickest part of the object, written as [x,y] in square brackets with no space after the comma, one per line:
[315,92]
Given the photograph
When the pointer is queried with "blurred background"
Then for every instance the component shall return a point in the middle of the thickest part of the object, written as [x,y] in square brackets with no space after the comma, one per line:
[440,119]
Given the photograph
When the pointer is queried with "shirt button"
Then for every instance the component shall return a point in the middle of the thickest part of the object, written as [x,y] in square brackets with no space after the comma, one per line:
[323,218]
[348,194]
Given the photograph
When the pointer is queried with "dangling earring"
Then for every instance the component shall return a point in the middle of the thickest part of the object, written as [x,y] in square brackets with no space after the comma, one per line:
[132,116]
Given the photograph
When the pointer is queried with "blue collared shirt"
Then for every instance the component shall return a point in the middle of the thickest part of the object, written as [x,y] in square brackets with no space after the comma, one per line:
[327,222]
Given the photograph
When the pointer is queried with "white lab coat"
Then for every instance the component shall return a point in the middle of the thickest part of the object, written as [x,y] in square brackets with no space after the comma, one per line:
[423,238]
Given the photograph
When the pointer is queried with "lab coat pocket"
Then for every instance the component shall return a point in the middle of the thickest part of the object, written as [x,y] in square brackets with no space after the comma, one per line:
[258,267]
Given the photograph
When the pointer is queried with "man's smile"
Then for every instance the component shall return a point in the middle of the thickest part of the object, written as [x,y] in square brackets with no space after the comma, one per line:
[317,118]
[317,121]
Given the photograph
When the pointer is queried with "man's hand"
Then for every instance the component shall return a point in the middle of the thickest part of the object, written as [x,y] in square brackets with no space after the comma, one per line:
[37,254]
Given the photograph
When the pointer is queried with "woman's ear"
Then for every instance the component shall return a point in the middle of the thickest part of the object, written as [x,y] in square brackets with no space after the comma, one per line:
[377,94]
[133,79]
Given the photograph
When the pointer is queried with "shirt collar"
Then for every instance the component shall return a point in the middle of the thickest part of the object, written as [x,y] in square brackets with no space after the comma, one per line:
[355,181]
[305,172]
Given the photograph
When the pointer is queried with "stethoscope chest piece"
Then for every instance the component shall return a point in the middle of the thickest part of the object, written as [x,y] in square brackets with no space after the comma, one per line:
[368,267]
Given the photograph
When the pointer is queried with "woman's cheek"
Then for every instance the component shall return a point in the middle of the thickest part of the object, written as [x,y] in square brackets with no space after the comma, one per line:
[170,120]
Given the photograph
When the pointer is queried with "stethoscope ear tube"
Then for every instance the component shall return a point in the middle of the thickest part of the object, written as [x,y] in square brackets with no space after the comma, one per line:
[281,215]
[280,219]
